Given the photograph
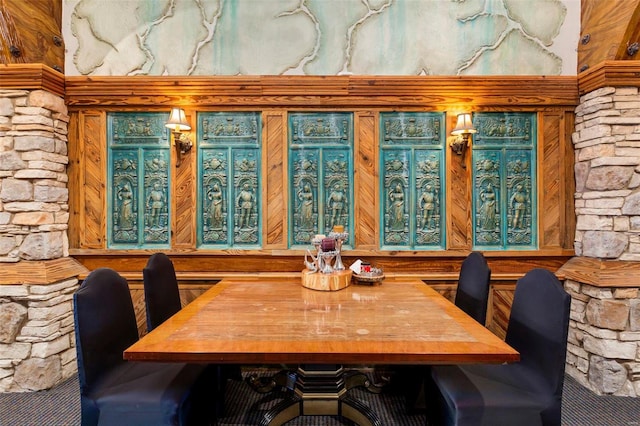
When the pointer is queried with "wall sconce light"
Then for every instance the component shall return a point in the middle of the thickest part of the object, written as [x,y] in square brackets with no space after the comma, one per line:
[178,123]
[463,130]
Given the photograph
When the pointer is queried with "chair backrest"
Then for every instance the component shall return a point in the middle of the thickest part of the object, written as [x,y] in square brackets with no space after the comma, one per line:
[538,326]
[105,324]
[161,294]
[472,295]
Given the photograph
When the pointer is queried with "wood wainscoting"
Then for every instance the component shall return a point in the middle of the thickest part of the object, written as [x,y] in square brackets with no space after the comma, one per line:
[552,99]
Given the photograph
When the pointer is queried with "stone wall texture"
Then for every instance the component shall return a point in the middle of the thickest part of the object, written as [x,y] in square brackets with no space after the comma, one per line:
[607,171]
[37,343]
[34,209]
[604,331]
[603,348]
[37,348]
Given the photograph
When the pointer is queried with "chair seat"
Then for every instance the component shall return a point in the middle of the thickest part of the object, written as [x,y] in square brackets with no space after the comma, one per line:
[147,393]
[485,395]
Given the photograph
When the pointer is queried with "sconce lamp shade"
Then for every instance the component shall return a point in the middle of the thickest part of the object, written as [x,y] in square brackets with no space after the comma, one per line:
[177,121]
[464,125]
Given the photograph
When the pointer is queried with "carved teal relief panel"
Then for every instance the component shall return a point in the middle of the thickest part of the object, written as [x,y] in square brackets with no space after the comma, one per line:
[138,196]
[320,175]
[504,181]
[412,180]
[228,207]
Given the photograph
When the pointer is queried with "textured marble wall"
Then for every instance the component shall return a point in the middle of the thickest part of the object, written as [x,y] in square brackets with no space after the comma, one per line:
[321,37]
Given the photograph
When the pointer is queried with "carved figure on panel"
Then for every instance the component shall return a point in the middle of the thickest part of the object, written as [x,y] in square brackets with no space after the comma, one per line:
[518,203]
[131,127]
[215,207]
[246,165]
[156,164]
[125,208]
[427,204]
[305,195]
[155,204]
[488,208]
[245,202]
[337,202]
[396,208]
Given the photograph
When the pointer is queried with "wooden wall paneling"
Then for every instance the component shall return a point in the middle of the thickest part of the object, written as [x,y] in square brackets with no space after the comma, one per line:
[554,98]
[501,300]
[188,293]
[184,193]
[274,173]
[137,297]
[447,290]
[92,190]
[74,174]
[366,176]
[549,172]
[458,196]
[568,178]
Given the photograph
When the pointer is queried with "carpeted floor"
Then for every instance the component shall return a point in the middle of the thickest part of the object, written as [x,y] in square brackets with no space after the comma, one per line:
[60,406]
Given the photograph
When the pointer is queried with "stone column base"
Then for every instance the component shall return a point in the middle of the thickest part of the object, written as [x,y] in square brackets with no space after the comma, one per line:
[603,350]
[37,340]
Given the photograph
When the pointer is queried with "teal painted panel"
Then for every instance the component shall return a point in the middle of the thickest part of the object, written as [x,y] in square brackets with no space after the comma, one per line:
[489,201]
[504,181]
[306,203]
[138,196]
[321,175]
[213,200]
[229,190]
[246,193]
[412,186]
[156,189]
[124,195]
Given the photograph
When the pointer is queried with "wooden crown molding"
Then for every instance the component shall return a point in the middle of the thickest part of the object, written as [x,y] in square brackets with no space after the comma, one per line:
[610,74]
[41,272]
[31,77]
[322,91]
[601,273]
[294,91]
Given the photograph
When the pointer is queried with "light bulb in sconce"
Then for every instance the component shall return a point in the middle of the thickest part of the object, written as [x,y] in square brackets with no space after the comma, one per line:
[463,130]
[178,124]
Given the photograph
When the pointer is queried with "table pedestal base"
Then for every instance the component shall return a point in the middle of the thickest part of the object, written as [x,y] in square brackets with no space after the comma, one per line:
[320,390]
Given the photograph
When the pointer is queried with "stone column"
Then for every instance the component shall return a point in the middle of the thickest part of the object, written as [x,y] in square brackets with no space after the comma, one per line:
[604,280]
[607,170]
[38,279]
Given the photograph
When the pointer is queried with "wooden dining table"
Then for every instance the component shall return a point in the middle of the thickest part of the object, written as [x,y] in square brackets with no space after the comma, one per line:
[275,320]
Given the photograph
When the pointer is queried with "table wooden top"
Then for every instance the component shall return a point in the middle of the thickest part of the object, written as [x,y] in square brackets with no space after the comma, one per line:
[266,320]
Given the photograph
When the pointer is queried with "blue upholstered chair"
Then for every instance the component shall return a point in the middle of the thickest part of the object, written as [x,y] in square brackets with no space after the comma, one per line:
[472,296]
[117,392]
[161,293]
[528,392]
[162,301]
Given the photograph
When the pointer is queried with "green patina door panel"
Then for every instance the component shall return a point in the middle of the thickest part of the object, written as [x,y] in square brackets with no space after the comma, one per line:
[320,175]
[504,181]
[412,190]
[138,195]
[229,189]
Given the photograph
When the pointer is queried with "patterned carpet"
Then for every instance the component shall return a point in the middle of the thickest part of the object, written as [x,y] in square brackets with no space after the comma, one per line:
[60,406]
